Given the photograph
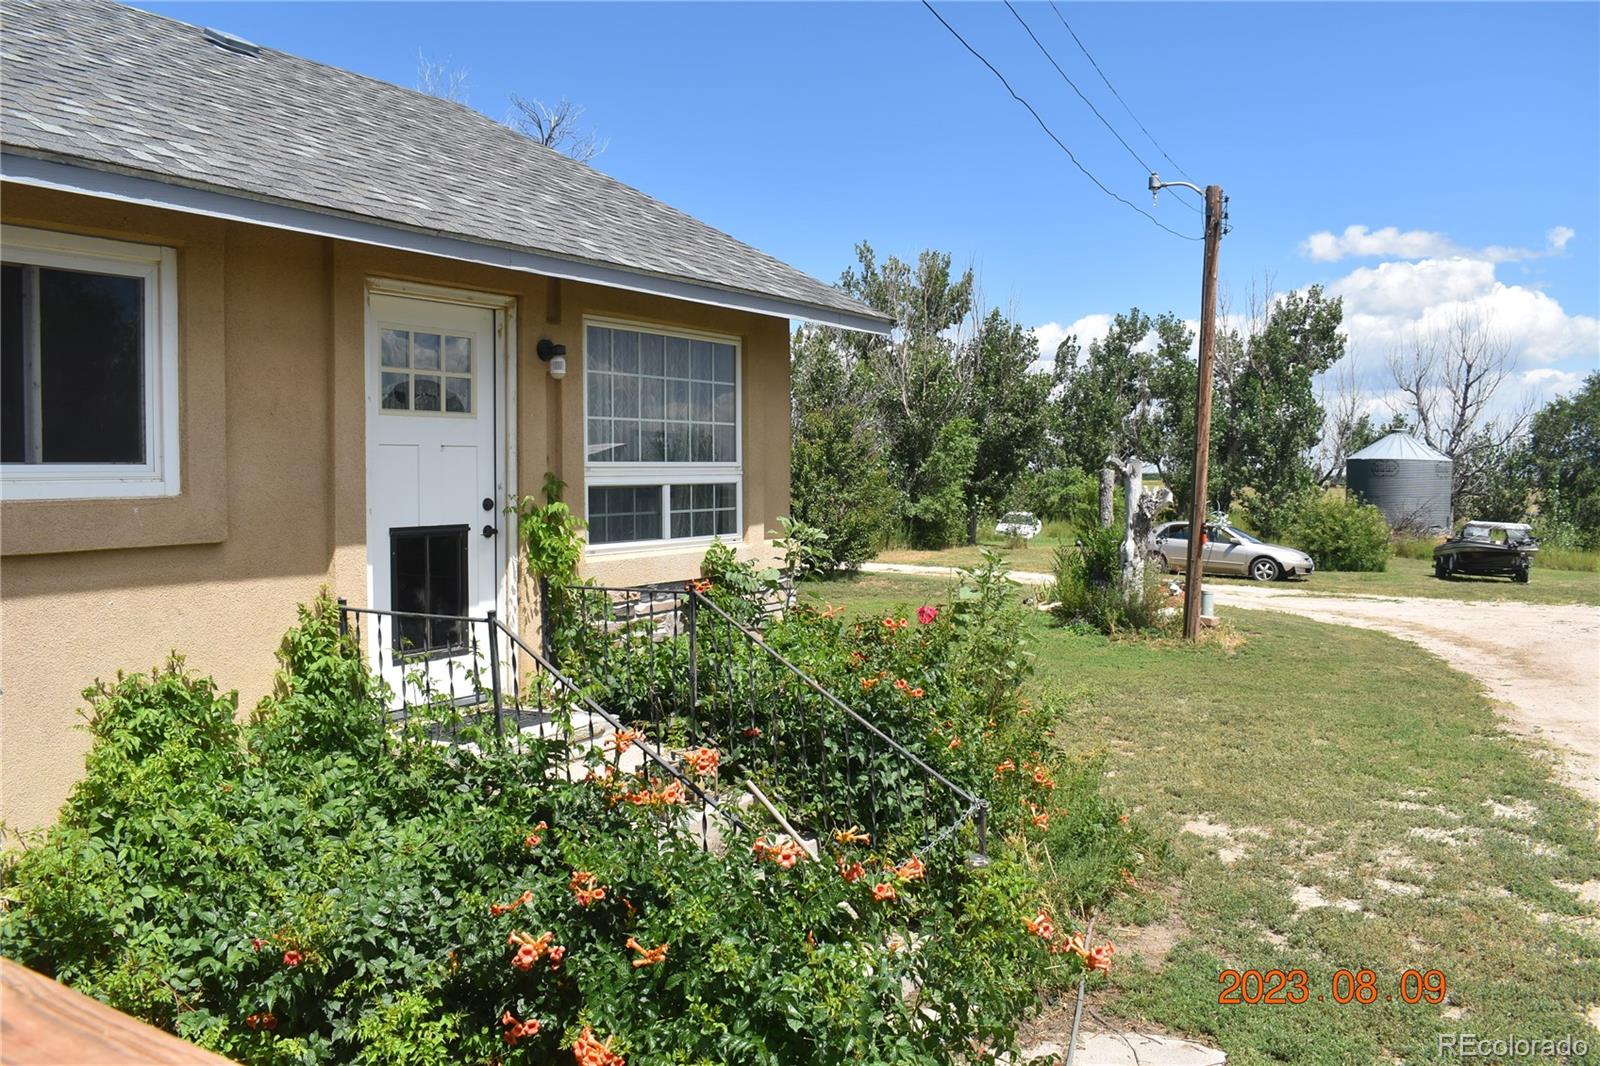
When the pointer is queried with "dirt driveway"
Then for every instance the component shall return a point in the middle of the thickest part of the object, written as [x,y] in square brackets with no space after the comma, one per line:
[1541,661]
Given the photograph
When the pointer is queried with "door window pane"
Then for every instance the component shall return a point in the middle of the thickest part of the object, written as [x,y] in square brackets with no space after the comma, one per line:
[397,392]
[425,393]
[402,353]
[396,348]
[425,351]
[428,575]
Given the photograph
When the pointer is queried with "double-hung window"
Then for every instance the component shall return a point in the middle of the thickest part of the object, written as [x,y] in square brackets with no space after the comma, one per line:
[88,367]
[662,431]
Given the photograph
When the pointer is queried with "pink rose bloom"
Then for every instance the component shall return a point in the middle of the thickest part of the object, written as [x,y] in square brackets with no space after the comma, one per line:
[927,613]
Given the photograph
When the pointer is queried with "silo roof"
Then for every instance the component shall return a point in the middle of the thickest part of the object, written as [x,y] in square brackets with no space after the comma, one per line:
[1400,446]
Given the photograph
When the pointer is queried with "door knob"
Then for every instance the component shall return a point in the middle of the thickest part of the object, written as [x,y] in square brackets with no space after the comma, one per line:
[491,531]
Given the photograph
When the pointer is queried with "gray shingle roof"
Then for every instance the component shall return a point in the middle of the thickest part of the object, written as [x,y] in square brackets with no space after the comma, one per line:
[99,84]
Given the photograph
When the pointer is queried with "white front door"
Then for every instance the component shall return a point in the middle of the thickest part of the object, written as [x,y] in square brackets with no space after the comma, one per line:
[434,481]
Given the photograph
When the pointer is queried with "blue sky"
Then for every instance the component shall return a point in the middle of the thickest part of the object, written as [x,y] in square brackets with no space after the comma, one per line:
[1465,139]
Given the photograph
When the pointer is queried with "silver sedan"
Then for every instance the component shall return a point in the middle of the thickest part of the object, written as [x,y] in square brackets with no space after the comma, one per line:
[1228,551]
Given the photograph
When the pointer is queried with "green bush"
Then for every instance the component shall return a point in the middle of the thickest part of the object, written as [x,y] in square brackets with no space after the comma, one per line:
[1090,593]
[839,483]
[1342,534]
[316,887]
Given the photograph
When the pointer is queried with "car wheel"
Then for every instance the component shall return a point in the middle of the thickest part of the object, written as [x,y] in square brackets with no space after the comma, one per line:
[1439,570]
[1264,569]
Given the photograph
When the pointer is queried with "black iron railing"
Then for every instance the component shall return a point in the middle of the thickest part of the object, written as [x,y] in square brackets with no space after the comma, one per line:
[483,685]
[677,665]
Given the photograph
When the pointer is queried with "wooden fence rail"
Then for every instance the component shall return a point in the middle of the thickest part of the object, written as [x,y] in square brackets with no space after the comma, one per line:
[45,1023]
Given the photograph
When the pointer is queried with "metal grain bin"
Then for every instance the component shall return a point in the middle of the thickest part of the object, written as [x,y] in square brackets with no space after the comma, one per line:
[1405,479]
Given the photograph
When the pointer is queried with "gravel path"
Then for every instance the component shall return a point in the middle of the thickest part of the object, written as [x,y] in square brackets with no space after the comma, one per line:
[1541,661]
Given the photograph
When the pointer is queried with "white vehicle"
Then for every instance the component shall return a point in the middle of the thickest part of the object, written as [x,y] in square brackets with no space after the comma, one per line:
[1018,524]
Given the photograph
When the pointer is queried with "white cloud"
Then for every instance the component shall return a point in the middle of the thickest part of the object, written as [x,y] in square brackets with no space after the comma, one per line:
[1389,304]
[1087,329]
[1327,247]
[1391,242]
[1552,382]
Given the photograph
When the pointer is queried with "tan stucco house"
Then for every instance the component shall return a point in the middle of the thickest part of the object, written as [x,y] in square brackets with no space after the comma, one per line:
[271,326]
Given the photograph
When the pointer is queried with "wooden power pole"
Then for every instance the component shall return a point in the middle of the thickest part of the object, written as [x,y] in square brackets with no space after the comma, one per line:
[1202,413]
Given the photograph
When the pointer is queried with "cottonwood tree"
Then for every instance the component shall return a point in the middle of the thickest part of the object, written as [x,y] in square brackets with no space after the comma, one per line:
[1006,404]
[1564,455]
[952,399]
[1448,378]
[560,127]
[1103,395]
[839,470]
[1265,417]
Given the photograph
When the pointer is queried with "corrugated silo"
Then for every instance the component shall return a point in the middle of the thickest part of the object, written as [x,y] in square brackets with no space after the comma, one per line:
[1405,479]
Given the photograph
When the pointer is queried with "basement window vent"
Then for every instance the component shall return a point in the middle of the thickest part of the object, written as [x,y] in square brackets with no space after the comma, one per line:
[228,41]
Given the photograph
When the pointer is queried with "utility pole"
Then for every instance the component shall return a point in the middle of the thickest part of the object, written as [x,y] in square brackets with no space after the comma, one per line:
[1202,406]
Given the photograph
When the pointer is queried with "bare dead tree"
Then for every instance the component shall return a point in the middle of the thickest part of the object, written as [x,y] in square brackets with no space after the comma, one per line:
[1346,422]
[559,127]
[441,79]
[1447,381]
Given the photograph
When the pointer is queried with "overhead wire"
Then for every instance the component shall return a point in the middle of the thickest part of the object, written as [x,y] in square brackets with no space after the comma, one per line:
[1050,132]
[1137,158]
[1090,57]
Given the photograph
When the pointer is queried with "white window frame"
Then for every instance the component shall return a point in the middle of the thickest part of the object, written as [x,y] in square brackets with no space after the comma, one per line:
[157,266]
[664,474]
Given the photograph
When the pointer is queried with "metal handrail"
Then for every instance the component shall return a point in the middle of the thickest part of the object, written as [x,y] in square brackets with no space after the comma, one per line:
[690,601]
[778,656]
[494,624]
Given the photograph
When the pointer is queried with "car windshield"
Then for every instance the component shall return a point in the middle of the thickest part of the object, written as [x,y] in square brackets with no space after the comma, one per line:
[1018,518]
[1242,535]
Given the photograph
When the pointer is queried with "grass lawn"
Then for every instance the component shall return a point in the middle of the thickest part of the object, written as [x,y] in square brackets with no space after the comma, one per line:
[1337,798]
[1404,577]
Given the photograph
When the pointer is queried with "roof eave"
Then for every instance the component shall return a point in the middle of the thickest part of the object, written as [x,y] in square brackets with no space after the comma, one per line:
[131,187]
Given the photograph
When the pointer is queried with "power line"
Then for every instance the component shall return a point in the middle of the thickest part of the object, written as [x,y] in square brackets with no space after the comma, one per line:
[1051,133]
[1085,50]
[1147,168]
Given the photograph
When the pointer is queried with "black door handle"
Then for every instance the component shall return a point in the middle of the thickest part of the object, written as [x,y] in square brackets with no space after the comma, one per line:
[491,531]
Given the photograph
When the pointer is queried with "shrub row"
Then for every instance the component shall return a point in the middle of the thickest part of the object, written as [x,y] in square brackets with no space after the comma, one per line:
[312,887]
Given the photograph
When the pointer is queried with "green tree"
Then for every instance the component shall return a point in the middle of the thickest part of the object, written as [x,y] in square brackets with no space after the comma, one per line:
[839,478]
[1007,406]
[1564,450]
[1102,398]
[936,499]
[1265,417]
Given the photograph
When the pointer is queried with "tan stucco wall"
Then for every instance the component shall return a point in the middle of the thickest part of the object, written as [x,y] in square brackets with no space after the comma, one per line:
[273,437]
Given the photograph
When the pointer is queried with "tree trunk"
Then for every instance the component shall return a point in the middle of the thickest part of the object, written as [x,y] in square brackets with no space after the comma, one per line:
[1132,550]
[972,525]
[1107,485]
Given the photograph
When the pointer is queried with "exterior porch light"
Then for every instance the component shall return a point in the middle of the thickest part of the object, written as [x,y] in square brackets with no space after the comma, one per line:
[555,355]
